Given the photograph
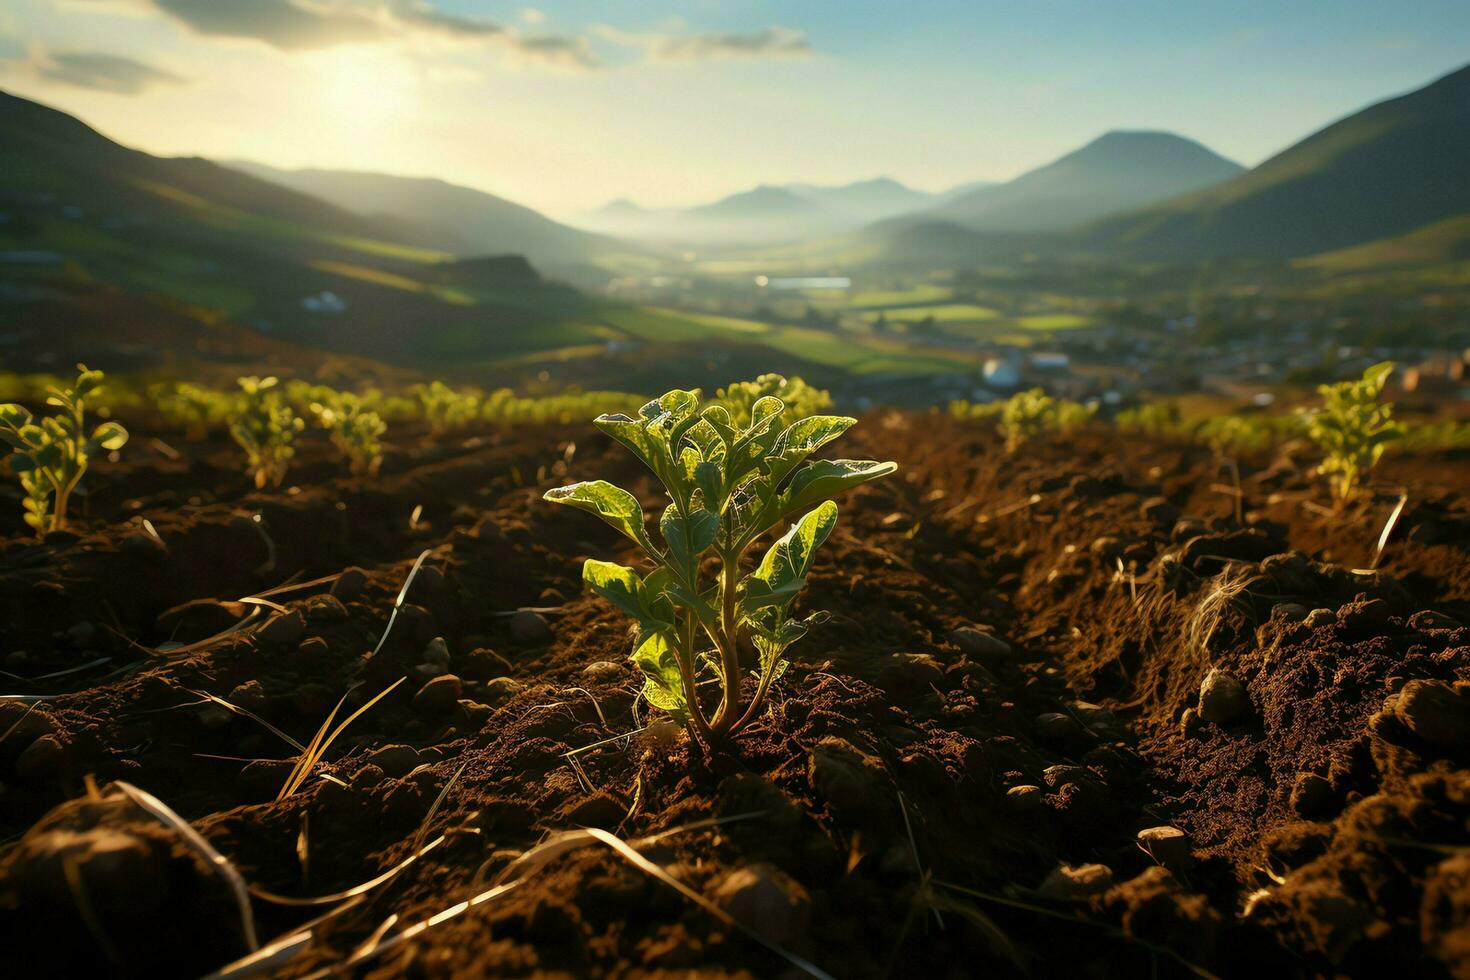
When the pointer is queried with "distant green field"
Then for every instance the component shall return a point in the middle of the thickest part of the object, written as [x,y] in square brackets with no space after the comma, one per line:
[949,313]
[921,293]
[1053,321]
[850,353]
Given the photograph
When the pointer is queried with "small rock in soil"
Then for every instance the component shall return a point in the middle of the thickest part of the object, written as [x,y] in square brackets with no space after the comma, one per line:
[42,758]
[531,628]
[1318,618]
[1362,619]
[602,670]
[1435,712]
[200,619]
[1167,845]
[475,712]
[349,584]
[250,696]
[1067,883]
[599,810]
[1426,619]
[1159,511]
[324,610]
[1222,697]
[1098,719]
[439,695]
[847,780]
[395,760]
[502,688]
[1311,795]
[1293,612]
[980,644]
[437,653]
[1025,799]
[284,629]
[424,673]
[766,900]
[1056,728]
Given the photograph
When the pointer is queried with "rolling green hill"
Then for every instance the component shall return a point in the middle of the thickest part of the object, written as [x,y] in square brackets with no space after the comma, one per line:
[444,216]
[83,212]
[1385,171]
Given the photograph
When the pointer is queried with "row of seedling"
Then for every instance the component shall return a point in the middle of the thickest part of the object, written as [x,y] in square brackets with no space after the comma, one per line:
[1351,427]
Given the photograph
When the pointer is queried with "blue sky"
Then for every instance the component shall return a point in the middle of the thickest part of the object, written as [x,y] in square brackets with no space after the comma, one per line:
[565,105]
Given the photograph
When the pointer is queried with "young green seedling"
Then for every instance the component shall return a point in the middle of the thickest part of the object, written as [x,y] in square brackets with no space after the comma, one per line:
[355,431]
[1026,415]
[728,485]
[52,453]
[1352,428]
[446,409]
[265,429]
[196,409]
[800,398]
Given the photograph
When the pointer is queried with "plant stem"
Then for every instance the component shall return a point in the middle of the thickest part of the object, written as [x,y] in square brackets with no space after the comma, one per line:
[686,675]
[729,647]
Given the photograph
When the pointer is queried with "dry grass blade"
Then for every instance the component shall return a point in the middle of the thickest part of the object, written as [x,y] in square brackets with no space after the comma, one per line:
[624,850]
[903,808]
[1230,585]
[1388,527]
[511,877]
[1116,933]
[59,673]
[600,716]
[353,892]
[995,936]
[255,600]
[189,648]
[282,950]
[320,744]
[398,603]
[606,741]
[24,715]
[246,713]
[217,861]
[434,808]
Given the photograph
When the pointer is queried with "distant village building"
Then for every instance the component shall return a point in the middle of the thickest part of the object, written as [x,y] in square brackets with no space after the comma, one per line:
[1002,372]
[324,302]
[1435,375]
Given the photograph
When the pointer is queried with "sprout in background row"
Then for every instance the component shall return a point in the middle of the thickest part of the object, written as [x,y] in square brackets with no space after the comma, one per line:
[52,453]
[1352,428]
[265,428]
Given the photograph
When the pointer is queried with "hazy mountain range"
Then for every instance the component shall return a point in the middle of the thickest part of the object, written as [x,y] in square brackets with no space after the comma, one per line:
[768,213]
[1117,171]
[1383,172]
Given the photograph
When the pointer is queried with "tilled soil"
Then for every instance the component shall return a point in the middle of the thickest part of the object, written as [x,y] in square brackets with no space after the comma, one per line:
[996,758]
